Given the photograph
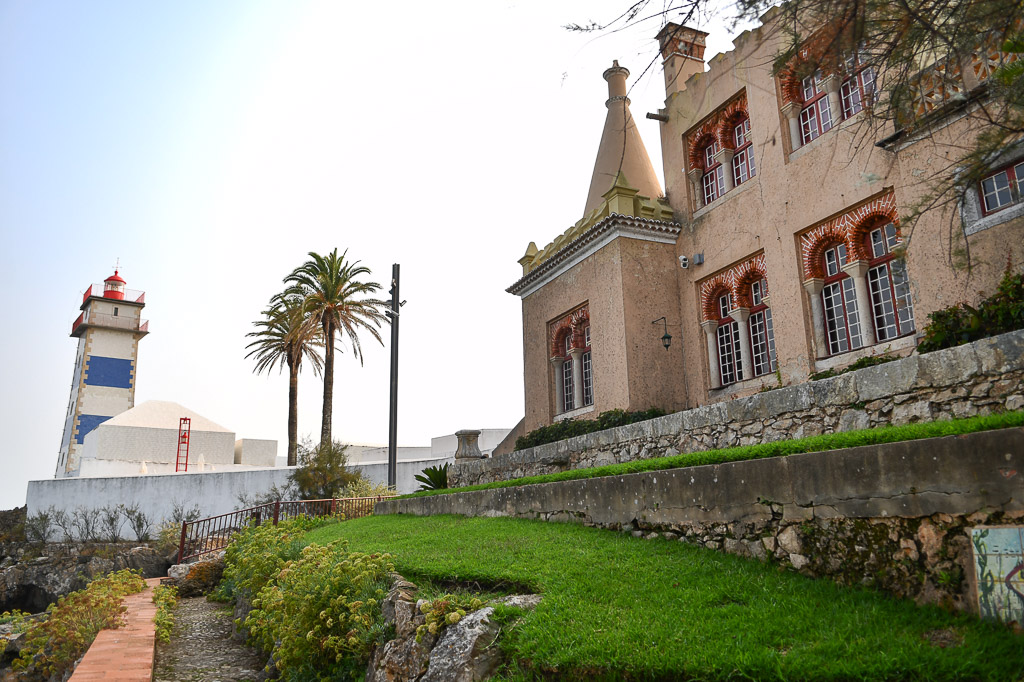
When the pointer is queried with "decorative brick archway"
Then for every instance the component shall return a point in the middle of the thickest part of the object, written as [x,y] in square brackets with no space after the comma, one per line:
[849,229]
[732,281]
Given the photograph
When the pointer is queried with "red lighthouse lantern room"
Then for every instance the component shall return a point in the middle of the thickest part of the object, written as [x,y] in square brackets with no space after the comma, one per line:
[113,287]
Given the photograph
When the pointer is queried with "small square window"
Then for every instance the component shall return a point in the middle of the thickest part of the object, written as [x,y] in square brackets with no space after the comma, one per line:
[755,293]
[877,244]
[995,190]
[1018,172]
[724,305]
[891,236]
[841,250]
[831,267]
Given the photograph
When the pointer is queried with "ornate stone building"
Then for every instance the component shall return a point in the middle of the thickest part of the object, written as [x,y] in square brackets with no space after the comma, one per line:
[776,249]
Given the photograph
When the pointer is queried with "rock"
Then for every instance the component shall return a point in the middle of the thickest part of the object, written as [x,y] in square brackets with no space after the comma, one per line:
[147,560]
[737,547]
[527,602]
[466,651]
[798,561]
[789,540]
[637,533]
[199,579]
[1015,402]
[400,660]
[930,538]
[769,544]
[908,550]
[912,412]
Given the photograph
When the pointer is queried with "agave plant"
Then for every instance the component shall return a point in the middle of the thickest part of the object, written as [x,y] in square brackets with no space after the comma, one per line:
[433,478]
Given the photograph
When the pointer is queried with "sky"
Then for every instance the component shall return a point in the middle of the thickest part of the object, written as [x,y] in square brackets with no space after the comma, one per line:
[208,147]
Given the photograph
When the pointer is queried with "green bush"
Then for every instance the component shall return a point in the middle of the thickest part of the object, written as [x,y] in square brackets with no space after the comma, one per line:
[569,428]
[866,361]
[258,553]
[53,645]
[321,613]
[166,598]
[959,324]
[323,471]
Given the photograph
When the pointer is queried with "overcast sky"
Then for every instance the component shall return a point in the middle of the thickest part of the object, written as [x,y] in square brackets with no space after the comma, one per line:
[211,145]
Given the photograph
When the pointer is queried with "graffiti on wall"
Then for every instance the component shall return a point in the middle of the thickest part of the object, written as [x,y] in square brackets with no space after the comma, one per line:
[999,568]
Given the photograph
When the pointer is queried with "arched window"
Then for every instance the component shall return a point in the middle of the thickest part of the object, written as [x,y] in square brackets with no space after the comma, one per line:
[730,365]
[762,332]
[743,160]
[714,175]
[858,88]
[891,306]
[839,299]
[816,115]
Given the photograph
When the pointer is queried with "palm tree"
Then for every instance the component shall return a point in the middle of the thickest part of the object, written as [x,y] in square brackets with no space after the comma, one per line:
[285,338]
[336,299]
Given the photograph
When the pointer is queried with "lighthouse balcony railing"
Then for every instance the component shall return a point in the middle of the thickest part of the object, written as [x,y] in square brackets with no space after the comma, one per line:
[130,295]
[111,322]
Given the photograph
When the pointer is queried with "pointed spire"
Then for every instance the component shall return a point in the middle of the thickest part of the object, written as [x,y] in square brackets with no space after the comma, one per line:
[621,150]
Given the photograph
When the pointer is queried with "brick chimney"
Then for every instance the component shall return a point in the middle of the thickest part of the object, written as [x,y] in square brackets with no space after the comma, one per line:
[682,53]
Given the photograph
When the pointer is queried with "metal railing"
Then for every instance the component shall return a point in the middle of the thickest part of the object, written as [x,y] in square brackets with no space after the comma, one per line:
[214,533]
[130,295]
[111,321]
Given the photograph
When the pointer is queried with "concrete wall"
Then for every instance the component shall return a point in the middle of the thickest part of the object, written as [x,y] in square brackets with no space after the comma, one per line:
[894,516]
[212,492]
[138,443]
[976,378]
[255,452]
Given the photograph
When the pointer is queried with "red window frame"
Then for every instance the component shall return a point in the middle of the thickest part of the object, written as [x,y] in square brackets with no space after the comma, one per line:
[816,105]
[1013,191]
[743,159]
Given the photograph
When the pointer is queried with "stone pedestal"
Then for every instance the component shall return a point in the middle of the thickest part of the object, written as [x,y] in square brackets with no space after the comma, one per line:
[468,447]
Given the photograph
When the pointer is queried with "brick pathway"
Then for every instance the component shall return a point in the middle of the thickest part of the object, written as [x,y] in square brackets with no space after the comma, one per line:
[124,654]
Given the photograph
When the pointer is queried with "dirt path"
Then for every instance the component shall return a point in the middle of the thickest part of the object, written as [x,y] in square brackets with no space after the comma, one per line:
[201,648]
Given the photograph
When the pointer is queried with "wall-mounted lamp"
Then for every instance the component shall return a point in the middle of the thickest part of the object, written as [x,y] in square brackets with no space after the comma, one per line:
[666,339]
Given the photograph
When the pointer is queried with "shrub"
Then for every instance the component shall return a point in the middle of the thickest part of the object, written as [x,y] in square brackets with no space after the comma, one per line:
[446,610]
[569,428]
[139,522]
[86,523]
[866,361]
[39,526]
[322,472]
[258,553]
[959,324]
[364,487]
[52,646]
[433,478]
[111,522]
[166,598]
[321,614]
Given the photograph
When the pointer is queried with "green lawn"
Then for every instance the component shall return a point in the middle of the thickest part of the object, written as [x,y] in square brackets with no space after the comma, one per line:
[618,607]
[780,448]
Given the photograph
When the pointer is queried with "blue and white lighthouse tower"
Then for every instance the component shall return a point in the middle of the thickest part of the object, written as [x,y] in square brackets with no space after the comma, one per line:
[103,385]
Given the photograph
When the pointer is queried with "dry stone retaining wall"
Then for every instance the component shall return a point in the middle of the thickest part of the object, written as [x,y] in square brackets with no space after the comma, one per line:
[893,516]
[976,378]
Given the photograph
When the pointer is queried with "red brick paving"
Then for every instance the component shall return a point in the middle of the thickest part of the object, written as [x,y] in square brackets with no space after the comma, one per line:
[124,654]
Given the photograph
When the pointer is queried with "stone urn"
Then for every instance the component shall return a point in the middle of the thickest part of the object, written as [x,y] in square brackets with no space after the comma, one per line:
[468,447]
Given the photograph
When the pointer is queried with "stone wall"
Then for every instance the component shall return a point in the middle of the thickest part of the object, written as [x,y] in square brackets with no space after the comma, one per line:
[976,378]
[893,516]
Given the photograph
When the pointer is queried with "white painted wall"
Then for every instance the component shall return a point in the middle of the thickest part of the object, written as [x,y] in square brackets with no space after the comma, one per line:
[212,492]
[256,452]
[141,443]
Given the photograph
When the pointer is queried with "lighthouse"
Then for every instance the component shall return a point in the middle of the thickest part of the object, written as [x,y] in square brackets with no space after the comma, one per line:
[103,385]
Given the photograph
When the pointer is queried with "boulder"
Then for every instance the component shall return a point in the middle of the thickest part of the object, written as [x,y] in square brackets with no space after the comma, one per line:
[466,650]
[198,579]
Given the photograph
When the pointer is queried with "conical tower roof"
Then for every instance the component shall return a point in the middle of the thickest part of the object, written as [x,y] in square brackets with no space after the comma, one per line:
[621,150]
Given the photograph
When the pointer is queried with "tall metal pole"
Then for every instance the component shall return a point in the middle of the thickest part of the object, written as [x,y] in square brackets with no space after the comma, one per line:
[393,415]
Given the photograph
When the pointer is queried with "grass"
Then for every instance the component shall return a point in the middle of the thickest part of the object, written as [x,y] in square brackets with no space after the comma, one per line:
[781,448]
[616,607]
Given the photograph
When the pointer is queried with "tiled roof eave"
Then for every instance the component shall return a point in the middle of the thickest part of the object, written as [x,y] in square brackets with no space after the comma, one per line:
[630,226]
